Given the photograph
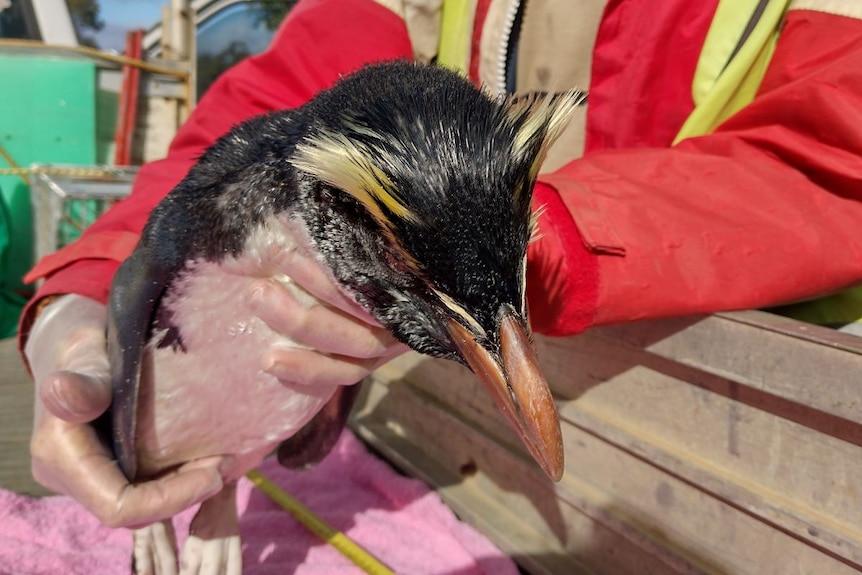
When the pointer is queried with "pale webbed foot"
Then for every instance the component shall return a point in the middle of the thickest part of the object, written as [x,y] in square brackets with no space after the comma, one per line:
[213,546]
[220,556]
[154,550]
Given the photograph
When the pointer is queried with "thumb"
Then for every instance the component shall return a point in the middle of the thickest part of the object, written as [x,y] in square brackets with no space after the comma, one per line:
[75,397]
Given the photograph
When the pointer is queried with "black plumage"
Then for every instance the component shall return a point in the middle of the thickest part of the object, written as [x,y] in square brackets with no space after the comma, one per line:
[415,188]
[447,149]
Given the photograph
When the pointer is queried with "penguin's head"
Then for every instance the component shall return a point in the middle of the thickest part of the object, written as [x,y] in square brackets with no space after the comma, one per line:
[417,193]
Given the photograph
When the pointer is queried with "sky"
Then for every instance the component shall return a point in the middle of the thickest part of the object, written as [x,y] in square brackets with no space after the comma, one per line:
[120,16]
[123,15]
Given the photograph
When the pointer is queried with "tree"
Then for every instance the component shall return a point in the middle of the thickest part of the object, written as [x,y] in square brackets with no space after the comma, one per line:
[272,12]
[86,18]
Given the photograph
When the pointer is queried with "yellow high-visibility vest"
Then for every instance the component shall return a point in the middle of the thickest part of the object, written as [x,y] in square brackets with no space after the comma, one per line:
[733,61]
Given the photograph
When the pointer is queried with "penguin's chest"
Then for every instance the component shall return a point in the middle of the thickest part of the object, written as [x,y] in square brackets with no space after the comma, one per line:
[209,395]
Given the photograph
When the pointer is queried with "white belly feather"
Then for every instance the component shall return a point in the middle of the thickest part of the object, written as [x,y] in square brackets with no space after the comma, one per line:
[213,398]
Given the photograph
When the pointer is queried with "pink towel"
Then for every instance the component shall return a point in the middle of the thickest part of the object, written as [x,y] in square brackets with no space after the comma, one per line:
[399,520]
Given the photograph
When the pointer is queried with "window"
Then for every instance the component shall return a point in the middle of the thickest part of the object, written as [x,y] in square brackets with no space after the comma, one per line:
[17,20]
[225,38]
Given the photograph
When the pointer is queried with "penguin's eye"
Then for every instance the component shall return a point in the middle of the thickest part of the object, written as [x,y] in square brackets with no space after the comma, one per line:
[397,263]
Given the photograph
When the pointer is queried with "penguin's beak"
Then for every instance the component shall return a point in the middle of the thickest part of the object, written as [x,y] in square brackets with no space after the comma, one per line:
[518,386]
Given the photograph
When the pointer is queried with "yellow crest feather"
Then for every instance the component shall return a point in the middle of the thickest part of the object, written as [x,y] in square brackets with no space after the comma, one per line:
[335,159]
[546,117]
[340,162]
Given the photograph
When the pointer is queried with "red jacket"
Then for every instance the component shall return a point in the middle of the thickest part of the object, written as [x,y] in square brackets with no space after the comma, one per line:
[765,210]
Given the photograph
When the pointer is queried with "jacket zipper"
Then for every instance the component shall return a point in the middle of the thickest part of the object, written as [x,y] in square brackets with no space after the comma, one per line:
[499,84]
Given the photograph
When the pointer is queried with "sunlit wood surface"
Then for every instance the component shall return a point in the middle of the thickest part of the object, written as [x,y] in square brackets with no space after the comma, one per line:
[16,419]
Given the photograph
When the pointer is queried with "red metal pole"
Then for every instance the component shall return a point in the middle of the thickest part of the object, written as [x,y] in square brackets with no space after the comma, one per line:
[128,105]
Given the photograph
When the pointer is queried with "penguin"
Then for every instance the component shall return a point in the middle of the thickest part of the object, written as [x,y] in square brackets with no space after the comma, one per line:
[412,189]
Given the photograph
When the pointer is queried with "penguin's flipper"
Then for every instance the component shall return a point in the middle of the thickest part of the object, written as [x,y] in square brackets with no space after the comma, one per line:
[135,294]
[317,438]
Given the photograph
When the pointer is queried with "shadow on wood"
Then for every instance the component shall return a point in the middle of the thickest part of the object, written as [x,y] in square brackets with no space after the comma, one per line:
[720,444]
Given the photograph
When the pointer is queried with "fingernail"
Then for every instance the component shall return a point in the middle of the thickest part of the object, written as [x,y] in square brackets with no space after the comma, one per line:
[254,296]
[268,364]
[216,484]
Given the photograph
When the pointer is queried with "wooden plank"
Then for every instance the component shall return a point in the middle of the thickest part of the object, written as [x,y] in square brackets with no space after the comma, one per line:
[763,453]
[806,364]
[16,421]
[771,466]
[614,514]
[714,415]
[502,493]
[467,483]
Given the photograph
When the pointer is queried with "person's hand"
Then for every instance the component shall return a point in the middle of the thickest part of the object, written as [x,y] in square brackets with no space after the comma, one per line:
[67,356]
[344,342]
[68,360]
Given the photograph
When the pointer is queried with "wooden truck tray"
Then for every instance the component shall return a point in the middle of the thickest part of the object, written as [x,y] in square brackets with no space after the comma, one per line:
[727,444]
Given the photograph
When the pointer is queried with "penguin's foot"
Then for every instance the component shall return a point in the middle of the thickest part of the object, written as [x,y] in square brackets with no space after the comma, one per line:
[154,550]
[213,546]
[221,556]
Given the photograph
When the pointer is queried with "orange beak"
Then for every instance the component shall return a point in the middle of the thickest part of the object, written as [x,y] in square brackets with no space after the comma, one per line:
[519,388]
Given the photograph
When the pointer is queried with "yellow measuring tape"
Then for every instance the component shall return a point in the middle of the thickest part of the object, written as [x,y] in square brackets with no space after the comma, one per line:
[362,558]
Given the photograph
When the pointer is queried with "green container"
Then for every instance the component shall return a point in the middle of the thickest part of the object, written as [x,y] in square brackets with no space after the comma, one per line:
[47,115]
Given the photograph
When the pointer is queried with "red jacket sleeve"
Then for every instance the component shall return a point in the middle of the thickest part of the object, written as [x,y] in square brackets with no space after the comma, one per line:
[766,210]
[318,42]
